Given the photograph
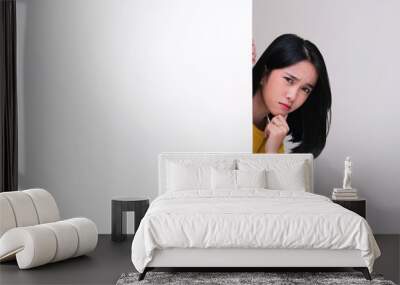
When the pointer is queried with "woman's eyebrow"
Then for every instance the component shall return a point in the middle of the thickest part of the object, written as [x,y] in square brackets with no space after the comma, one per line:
[292,76]
[297,79]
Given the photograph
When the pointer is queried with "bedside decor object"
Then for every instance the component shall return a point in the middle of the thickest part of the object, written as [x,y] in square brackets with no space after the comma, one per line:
[347,192]
[344,194]
[347,173]
[119,207]
[32,233]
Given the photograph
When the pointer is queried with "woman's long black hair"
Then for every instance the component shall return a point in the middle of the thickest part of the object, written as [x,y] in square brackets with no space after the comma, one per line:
[309,125]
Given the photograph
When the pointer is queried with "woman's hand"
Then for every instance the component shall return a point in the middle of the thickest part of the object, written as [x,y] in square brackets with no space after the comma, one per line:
[275,132]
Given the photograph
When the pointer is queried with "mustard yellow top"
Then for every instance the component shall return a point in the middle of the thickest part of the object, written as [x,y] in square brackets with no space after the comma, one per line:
[259,141]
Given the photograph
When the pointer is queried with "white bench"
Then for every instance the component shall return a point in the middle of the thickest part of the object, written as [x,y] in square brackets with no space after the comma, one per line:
[31,231]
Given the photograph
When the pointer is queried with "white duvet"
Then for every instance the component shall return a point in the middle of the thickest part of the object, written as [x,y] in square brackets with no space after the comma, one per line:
[250,218]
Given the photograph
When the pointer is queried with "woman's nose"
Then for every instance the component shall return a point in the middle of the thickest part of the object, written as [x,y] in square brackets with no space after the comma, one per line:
[291,95]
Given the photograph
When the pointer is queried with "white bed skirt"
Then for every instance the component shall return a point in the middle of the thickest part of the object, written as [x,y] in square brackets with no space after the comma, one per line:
[235,257]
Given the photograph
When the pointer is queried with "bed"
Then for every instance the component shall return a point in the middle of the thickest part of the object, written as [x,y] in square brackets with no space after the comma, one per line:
[241,210]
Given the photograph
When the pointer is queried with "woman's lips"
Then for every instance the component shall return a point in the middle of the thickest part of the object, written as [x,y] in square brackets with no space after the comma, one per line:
[285,106]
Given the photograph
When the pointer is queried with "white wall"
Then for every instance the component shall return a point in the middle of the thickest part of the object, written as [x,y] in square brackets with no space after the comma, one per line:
[360,42]
[104,86]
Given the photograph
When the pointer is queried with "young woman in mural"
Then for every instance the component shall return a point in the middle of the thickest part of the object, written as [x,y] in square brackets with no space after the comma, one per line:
[291,96]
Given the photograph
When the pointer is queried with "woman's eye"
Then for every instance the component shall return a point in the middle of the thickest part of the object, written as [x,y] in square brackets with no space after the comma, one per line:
[289,80]
[307,90]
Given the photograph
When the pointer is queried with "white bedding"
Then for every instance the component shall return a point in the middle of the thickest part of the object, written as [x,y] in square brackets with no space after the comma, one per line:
[250,218]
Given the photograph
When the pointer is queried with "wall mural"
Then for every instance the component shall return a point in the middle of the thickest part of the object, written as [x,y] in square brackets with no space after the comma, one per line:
[291,97]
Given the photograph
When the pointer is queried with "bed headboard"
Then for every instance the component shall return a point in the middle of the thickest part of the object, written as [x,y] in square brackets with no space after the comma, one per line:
[218,156]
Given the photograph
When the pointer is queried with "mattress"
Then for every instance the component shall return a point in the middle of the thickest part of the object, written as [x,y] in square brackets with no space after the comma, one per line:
[250,218]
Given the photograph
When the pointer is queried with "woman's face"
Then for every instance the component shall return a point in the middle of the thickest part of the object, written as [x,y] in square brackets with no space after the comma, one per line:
[286,89]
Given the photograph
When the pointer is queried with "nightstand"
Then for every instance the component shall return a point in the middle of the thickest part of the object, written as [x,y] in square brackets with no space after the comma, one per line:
[358,206]
[119,207]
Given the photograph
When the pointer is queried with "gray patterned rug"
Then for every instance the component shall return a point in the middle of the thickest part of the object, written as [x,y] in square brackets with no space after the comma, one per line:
[275,278]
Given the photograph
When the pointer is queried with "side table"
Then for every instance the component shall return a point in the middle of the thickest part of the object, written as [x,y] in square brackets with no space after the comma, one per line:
[119,207]
[358,206]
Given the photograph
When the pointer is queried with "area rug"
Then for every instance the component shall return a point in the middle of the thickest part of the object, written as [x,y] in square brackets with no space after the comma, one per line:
[270,278]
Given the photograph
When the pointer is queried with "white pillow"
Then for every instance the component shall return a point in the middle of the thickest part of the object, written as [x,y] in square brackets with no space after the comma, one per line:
[251,178]
[281,174]
[223,179]
[237,179]
[188,177]
[293,178]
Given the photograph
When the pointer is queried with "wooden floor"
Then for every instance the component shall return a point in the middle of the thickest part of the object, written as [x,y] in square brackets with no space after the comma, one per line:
[111,259]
